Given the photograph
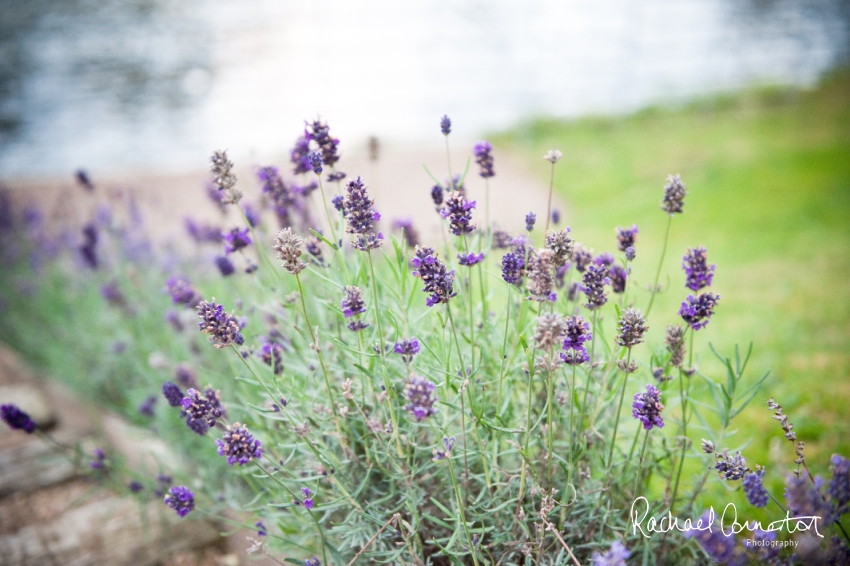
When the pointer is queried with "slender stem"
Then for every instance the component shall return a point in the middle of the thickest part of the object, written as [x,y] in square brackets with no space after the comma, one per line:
[381,347]
[549,206]
[660,264]
[527,437]
[449,164]
[325,204]
[461,512]
[572,406]
[589,369]
[550,424]
[462,405]
[371,540]
[504,352]
[487,202]
[640,461]
[620,409]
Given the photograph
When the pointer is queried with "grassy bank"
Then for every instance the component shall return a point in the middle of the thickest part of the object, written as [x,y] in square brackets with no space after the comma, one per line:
[768,176]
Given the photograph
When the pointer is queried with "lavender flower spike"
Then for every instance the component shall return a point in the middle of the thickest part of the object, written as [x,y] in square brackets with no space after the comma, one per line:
[593,285]
[632,328]
[484,158]
[512,268]
[407,348]
[550,331]
[553,156]
[530,219]
[697,311]
[315,162]
[576,334]
[699,273]
[754,487]
[470,259]
[445,125]
[674,195]
[181,499]
[13,416]
[438,280]
[236,240]
[626,237]
[223,179]
[238,445]
[561,245]
[457,210]
[616,556]
[647,408]
[541,275]
[420,398]
[182,292]
[222,328]
[288,247]
[360,217]
[204,406]
[352,304]
[172,394]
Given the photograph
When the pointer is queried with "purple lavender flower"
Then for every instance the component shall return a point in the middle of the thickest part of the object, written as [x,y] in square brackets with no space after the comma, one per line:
[252,215]
[202,233]
[807,500]
[312,562]
[181,499]
[616,556]
[360,217]
[198,426]
[182,292]
[320,133]
[135,486]
[484,158]
[99,461]
[261,529]
[225,266]
[238,445]
[336,176]
[699,273]
[420,398]
[147,406]
[605,259]
[411,235]
[754,487]
[315,162]
[632,326]
[470,259]
[112,294]
[356,325]
[271,353]
[582,258]
[163,481]
[730,467]
[448,446]
[550,330]
[298,155]
[457,210]
[839,485]
[17,419]
[407,348]
[576,334]
[630,253]
[593,281]
[647,408]
[172,394]
[337,201]
[714,541]
[697,311]
[185,377]
[223,178]
[308,501]
[235,240]
[438,280]
[626,237]
[674,195]
[561,245]
[88,250]
[203,406]
[83,179]
[437,194]
[222,328]
[287,244]
[530,219]
[352,304]
[445,125]
[512,268]
[560,273]
[618,276]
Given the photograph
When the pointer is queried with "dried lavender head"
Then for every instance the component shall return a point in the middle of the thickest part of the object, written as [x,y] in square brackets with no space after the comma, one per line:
[470,259]
[222,328]
[352,304]
[618,276]
[513,266]
[561,245]
[224,179]
[616,556]
[445,125]
[593,281]
[204,406]
[438,280]
[550,331]
[541,276]
[484,158]
[697,311]
[699,273]
[582,257]
[17,419]
[730,467]
[458,211]
[420,398]
[674,195]
[236,240]
[319,132]
[181,499]
[239,445]
[298,155]
[708,446]
[407,348]
[315,162]
[674,339]
[626,237]
[271,353]
[288,247]
[753,484]
[553,156]
[632,326]
[172,394]
[182,292]
[647,408]
[530,220]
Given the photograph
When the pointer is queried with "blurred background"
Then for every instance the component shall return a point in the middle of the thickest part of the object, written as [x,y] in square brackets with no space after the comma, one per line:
[155,84]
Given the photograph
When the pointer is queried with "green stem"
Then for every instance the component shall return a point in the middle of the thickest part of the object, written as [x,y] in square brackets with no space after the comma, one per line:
[620,409]
[660,264]
[549,206]
[327,210]
[640,461]
[570,440]
[461,512]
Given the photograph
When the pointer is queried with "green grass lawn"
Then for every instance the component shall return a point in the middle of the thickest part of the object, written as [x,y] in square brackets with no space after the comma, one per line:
[768,179]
